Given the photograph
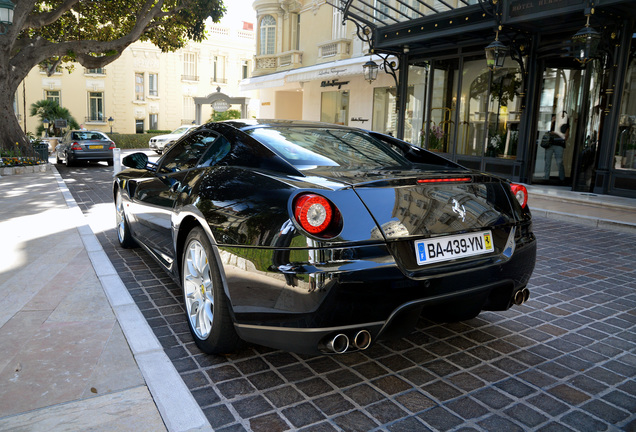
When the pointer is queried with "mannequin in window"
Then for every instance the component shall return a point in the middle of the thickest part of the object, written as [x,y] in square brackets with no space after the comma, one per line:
[559,134]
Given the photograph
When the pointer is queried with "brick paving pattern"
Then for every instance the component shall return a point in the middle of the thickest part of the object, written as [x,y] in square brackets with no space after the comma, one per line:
[564,361]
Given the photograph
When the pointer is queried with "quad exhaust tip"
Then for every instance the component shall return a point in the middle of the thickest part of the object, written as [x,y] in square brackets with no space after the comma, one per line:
[521,296]
[362,340]
[338,344]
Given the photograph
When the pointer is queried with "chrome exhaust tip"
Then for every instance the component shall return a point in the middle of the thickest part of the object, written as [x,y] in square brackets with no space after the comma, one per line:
[338,344]
[521,296]
[518,298]
[362,339]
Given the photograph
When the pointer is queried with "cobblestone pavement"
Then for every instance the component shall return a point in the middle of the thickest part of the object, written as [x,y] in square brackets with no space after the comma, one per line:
[566,360]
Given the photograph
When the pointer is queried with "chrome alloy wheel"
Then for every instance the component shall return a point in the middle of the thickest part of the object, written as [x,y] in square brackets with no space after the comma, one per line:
[198,289]
[120,217]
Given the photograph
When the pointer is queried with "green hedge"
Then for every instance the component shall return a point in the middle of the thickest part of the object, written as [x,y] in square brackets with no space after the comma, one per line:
[132,141]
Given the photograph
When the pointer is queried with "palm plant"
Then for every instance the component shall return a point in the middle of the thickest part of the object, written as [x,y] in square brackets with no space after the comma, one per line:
[51,110]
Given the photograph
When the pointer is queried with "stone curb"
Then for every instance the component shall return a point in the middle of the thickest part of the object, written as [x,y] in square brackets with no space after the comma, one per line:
[178,408]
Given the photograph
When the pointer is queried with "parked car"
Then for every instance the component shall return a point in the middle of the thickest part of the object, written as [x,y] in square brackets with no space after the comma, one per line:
[160,142]
[84,146]
[318,238]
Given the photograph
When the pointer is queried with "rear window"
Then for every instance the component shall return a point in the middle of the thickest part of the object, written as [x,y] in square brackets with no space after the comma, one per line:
[308,147]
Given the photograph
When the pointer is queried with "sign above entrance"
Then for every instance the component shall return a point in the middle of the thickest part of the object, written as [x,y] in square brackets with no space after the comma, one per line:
[333,83]
[524,10]
[220,105]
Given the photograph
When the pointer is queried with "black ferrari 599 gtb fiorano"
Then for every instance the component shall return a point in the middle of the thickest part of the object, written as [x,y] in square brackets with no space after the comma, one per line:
[319,238]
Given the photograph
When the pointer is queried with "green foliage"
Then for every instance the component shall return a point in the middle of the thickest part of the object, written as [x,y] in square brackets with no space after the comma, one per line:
[132,141]
[226,115]
[51,110]
[157,131]
[173,23]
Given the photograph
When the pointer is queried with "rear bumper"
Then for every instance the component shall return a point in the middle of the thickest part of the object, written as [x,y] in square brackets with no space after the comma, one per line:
[91,156]
[300,307]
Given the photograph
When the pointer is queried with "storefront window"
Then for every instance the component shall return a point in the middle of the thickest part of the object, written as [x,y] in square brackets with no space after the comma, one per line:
[489,111]
[334,107]
[385,115]
[625,151]
[418,76]
[441,127]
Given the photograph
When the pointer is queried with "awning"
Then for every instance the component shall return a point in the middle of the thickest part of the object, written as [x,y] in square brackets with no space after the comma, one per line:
[325,71]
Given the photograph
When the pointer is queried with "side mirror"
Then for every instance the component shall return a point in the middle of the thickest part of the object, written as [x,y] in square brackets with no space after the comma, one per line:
[136,160]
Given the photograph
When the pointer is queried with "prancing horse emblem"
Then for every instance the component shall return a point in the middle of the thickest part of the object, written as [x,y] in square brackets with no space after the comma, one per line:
[459,209]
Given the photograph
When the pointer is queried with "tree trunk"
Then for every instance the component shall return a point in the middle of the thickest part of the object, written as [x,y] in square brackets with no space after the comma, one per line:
[12,137]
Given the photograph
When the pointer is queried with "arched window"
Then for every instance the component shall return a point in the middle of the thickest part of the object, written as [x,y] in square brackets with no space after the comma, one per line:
[268,35]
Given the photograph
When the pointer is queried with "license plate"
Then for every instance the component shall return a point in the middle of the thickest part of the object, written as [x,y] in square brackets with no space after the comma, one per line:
[95,147]
[453,247]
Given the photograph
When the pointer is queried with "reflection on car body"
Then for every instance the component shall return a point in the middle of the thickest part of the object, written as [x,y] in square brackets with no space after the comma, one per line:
[320,238]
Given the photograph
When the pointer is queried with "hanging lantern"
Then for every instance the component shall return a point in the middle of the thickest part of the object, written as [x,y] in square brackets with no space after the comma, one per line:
[370,71]
[585,43]
[496,54]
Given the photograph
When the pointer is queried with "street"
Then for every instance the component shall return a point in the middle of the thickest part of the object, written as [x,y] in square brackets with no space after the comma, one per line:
[565,360]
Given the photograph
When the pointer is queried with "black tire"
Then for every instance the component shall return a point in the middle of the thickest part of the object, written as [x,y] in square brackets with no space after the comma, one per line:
[69,163]
[206,306]
[123,229]
[57,159]
[110,162]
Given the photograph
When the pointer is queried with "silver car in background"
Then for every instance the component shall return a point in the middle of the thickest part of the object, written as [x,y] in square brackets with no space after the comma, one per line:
[160,142]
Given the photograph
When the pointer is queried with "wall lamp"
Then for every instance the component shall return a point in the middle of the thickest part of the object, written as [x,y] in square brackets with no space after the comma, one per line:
[6,15]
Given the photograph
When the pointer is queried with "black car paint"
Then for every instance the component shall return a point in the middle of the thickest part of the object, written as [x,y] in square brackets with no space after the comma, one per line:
[290,290]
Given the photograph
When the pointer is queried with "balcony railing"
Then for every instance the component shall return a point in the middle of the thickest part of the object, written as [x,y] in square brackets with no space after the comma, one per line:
[335,50]
[290,59]
[218,80]
[189,78]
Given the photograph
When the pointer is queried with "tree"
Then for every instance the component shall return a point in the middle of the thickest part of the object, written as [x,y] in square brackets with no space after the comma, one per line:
[51,110]
[225,115]
[54,33]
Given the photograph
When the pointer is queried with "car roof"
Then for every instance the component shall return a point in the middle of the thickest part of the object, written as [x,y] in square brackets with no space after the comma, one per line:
[244,124]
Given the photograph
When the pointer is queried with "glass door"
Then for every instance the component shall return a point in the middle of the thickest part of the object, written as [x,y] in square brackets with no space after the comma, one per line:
[557,124]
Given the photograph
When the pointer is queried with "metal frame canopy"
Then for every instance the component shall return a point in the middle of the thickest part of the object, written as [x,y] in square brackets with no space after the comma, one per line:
[400,26]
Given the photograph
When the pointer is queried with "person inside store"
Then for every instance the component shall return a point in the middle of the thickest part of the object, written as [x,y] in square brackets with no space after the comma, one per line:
[559,134]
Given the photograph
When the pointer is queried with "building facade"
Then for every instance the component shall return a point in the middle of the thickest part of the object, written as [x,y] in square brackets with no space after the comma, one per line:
[146,89]
[568,80]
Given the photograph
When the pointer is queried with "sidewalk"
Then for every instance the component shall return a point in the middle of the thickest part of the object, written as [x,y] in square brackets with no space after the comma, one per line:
[75,352]
[601,211]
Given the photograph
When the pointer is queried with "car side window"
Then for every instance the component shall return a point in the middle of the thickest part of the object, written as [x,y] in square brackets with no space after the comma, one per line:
[185,154]
[216,152]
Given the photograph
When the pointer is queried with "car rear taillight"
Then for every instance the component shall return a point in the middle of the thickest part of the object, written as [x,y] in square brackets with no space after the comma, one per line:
[316,215]
[445,180]
[112,146]
[76,146]
[521,193]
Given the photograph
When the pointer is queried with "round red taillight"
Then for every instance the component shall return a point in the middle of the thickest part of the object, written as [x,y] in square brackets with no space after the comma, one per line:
[76,146]
[521,193]
[314,213]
